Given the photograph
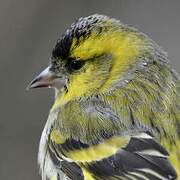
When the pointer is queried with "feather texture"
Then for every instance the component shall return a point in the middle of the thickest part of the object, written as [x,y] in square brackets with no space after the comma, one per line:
[118,116]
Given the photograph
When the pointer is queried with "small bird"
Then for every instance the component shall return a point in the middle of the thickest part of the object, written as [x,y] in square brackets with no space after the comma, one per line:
[116,113]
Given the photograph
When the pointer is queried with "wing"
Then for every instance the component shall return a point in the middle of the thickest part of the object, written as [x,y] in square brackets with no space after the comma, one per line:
[142,158]
[70,169]
[137,157]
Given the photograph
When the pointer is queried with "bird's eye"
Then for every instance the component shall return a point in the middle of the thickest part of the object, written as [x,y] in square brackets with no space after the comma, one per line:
[74,65]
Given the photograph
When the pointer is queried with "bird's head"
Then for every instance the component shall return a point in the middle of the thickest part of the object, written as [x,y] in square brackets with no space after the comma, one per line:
[95,53]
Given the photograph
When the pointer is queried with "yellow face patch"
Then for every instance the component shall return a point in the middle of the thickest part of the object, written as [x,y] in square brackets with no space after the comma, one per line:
[124,48]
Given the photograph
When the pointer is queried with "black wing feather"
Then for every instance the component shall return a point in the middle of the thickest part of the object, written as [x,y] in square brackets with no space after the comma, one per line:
[130,160]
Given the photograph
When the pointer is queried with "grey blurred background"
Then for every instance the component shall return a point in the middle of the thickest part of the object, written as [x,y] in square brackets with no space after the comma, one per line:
[28,31]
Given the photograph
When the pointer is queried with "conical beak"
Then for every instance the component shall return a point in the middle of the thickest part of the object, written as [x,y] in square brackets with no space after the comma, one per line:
[45,79]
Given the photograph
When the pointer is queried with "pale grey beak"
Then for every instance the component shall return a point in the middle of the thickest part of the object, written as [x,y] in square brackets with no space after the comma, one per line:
[47,78]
